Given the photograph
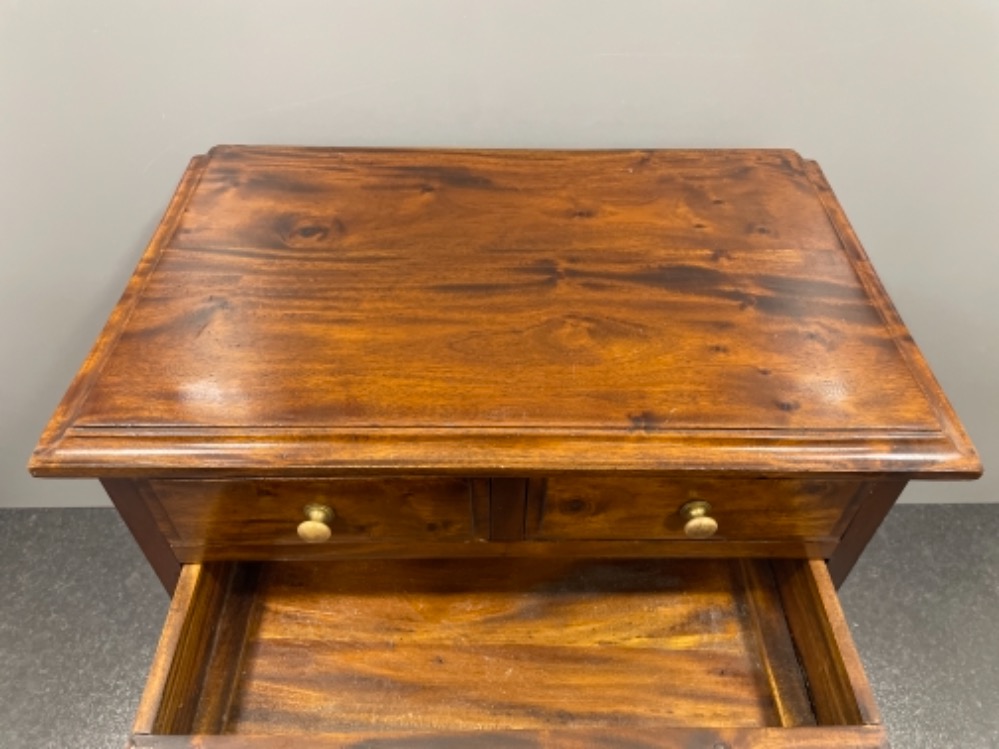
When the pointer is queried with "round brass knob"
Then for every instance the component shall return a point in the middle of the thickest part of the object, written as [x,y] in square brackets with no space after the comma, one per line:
[698,523]
[316,529]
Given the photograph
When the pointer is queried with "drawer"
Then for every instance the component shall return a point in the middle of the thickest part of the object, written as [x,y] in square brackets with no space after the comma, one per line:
[699,654]
[756,510]
[206,520]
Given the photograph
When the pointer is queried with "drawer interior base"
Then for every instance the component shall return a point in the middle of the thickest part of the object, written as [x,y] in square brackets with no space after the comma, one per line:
[420,647]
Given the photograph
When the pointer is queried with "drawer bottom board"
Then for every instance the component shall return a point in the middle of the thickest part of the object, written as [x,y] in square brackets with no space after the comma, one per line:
[698,652]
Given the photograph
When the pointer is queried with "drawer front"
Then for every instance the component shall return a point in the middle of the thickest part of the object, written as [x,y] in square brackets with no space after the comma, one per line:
[262,514]
[651,509]
[507,653]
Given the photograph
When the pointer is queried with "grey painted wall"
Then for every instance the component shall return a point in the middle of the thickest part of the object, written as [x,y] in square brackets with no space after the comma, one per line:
[102,103]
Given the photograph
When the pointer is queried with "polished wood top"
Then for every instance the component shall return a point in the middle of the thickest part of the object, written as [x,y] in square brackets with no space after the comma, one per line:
[308,311]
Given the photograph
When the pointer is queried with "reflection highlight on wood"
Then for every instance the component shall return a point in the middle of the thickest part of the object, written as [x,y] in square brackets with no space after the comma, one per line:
[494,645]
[368,311]
[554,651]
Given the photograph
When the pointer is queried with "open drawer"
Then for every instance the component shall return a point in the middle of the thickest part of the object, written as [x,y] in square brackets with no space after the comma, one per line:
[509,652]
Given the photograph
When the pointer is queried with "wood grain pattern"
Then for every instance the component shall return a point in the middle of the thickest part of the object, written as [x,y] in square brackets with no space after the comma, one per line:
[507,507]
[208,616]
[224,662]
[793,549]
[751,510]
[841,737]
[485,645]
[149,527]
[467,312]
[56,430]
[153,700]
[838,685]
[778,659]
[240,513]
[893,320]
[615,653]
[507,370]
[876,500]
[206,520]
[172,692]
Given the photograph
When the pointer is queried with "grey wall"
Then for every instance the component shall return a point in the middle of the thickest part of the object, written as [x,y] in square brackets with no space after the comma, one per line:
[102,103]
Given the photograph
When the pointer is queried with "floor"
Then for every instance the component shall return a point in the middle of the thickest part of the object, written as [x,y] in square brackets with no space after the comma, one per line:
[81,612]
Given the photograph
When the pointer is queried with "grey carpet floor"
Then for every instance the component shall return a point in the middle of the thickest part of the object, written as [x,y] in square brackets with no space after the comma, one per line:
[80,613]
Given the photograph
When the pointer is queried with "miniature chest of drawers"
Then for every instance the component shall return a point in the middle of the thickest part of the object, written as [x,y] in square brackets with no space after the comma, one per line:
[504,448]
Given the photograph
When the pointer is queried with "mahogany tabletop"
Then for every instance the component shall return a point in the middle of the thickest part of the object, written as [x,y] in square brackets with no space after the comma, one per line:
[334,311]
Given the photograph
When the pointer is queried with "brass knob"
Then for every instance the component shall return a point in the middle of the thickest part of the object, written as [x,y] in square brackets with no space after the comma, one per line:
[699,524]
[316,529]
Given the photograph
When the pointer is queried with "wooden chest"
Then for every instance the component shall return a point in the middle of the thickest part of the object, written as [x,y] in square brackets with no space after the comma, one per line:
[504,448]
